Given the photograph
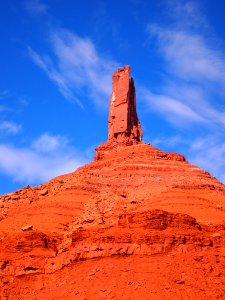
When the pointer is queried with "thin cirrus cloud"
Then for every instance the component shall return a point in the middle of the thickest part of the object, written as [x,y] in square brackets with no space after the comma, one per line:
[182,11]
[43,159]
[188,54]
[47,143]
[176,111]
[76,67]
[36,7]
[9,127]
[194,65]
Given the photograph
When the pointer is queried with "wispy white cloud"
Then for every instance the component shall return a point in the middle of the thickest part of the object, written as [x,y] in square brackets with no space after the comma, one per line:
[194,64]
[187,14]
[9,127]
[36,7]
[54,75]
[48,143]
[39,162]
[173,109]
[189,54]
[77,67]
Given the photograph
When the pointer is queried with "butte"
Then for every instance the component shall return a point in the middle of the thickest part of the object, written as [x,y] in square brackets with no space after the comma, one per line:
[136,223]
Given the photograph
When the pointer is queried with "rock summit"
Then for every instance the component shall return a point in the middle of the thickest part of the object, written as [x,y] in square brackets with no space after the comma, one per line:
[136,223]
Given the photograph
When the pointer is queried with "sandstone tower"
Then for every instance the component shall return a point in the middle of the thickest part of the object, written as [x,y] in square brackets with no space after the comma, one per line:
[123,123]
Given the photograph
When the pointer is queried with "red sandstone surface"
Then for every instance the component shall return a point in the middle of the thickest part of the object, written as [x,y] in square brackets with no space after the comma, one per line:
[136,223]
[123,124]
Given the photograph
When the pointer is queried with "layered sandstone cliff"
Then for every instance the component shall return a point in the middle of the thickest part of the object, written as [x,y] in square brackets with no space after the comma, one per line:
[136,223]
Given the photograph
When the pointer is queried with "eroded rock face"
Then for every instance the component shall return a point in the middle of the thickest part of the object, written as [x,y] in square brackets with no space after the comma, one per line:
[123,124]
[137,223]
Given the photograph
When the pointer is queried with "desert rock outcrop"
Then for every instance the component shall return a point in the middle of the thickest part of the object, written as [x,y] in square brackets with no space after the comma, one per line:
[123,124]
[136,223]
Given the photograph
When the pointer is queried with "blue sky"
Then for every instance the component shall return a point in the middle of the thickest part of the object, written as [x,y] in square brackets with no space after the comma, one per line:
[56,62]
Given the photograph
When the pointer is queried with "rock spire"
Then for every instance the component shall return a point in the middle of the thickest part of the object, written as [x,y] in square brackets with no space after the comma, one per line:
[123,124]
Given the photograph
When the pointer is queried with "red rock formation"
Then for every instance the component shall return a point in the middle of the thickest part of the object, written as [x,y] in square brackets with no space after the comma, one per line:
[124,127]
[137,223]
[123,124]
